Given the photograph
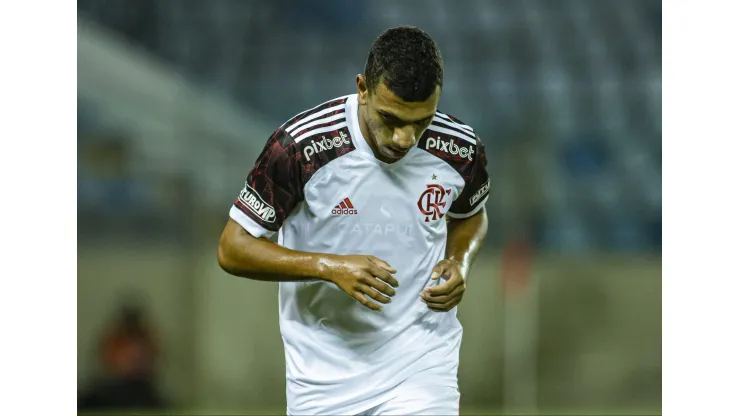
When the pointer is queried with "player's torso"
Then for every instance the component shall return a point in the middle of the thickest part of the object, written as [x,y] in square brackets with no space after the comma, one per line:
[356,205]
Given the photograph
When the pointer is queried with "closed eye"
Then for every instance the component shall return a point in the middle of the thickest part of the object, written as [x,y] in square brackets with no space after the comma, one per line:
[389,118]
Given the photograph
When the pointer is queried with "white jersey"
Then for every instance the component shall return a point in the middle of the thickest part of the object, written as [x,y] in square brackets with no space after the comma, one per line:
[318,185]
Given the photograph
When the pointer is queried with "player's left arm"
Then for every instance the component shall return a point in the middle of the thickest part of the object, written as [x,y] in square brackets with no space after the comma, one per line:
[464,240]
[466,230]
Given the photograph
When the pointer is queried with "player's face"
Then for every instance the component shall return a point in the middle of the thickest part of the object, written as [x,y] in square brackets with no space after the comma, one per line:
[394,125]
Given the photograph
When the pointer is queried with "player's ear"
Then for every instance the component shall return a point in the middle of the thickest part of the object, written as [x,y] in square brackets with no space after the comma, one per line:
[362,90]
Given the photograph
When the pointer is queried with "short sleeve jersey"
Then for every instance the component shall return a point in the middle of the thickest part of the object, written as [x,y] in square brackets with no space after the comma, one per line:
[318,185]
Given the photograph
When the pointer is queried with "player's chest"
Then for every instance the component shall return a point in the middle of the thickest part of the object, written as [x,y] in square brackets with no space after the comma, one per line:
[373,197]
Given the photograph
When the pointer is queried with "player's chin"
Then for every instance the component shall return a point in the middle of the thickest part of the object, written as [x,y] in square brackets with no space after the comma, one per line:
[394,154]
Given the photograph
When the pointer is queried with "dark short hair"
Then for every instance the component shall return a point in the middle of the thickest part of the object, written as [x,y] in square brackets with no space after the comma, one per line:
[408,61]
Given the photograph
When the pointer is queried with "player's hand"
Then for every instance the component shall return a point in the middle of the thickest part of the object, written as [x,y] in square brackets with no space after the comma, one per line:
[446,296]
[363,278]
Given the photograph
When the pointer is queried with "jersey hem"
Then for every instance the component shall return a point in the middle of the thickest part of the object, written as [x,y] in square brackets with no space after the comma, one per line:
[385,397]
[356,410]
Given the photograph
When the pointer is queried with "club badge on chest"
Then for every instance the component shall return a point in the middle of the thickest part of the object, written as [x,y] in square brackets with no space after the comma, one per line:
[432,200]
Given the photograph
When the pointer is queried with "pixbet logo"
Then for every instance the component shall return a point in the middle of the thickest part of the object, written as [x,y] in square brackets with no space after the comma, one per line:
[432,200]
[251,199]
[449,146]
[325,144]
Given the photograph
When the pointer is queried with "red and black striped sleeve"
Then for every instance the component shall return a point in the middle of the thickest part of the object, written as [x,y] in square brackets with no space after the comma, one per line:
[273,188]
[477,184]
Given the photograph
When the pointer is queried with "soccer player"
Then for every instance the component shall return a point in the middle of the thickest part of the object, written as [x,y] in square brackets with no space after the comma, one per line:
[377,200]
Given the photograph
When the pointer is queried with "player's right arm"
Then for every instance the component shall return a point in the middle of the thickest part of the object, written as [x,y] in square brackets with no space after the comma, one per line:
[241,254]
[272,190]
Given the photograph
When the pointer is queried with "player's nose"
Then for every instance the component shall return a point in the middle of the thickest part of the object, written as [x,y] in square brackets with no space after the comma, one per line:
[404,139]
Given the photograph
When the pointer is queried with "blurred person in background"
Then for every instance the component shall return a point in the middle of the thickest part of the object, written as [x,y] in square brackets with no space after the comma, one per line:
[360,190]
[129,353]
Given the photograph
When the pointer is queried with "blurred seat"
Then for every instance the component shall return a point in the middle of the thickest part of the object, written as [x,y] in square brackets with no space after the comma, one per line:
[584,65]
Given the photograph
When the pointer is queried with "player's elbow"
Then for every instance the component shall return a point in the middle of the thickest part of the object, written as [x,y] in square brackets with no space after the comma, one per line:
[235,248]
[227,257]
[224,259]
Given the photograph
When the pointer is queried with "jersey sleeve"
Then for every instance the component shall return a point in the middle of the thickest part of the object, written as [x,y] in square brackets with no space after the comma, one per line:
[272,190]
[477,183]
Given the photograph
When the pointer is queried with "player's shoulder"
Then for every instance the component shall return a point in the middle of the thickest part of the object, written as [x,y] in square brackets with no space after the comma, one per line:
[451,140]
[317,135]
[326,117]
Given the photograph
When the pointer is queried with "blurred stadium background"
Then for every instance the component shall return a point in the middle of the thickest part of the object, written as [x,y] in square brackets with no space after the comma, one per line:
[177,97]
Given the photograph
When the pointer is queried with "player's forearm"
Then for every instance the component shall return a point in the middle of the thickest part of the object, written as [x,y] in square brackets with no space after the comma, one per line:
[465,238]
[242,255]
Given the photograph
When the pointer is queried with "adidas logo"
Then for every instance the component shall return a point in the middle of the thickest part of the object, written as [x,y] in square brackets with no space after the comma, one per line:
[344,208]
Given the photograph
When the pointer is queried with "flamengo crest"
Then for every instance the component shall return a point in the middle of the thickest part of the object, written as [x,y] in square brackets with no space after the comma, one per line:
[432,200]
